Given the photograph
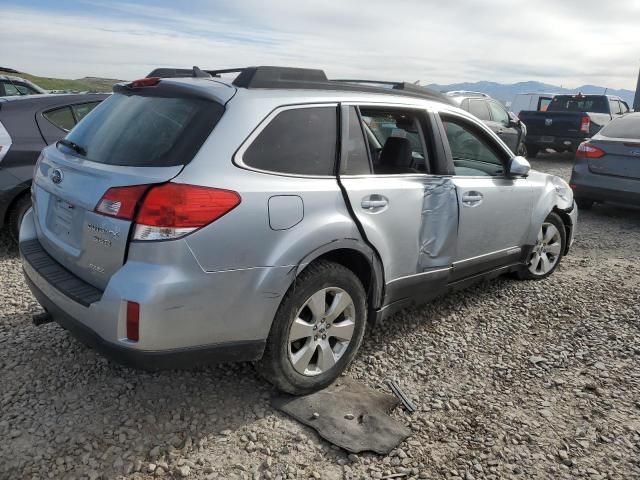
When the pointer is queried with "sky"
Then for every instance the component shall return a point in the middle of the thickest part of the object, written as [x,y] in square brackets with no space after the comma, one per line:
[562,42]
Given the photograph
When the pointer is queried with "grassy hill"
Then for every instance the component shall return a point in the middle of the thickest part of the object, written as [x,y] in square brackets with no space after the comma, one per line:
[86,84]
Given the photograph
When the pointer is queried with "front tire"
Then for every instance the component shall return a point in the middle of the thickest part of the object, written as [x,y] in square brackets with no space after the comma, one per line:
[532,150]
[584,203]
[317,330]
[548,250]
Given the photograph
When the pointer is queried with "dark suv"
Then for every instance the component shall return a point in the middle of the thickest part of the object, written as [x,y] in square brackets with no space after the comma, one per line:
[27,125]
[495,115]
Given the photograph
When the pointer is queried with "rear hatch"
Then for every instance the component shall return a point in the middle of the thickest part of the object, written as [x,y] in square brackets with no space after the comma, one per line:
[139,136]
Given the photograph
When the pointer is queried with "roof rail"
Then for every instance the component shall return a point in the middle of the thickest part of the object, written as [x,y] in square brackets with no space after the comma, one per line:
[303,78]
[469,93]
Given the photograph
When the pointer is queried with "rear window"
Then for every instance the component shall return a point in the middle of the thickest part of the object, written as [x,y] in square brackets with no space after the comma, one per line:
[299,141]
[623,127]
[575,103]
[61,118]
[146,131]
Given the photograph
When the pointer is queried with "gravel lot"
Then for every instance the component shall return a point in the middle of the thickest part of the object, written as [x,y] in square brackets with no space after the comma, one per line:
[513,379]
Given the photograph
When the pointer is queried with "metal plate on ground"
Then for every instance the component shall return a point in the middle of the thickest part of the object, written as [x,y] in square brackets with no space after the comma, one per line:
[349,415]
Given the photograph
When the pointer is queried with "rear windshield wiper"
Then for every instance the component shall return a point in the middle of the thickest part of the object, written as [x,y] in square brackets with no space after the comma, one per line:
[73,146]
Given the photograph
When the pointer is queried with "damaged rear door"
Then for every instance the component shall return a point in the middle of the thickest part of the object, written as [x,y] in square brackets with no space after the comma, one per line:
[405,211]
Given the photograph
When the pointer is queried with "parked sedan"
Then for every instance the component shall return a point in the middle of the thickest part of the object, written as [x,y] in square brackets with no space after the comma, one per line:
[607,167]
[27,125]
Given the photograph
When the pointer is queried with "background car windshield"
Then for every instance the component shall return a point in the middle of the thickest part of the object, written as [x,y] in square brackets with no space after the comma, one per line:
[571,103]
[146,131]
[624,127]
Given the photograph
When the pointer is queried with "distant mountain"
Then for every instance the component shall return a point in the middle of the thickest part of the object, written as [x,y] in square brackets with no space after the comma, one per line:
[506,92]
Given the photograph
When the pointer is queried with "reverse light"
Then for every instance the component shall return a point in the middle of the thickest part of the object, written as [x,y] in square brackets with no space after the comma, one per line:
[586,150]
[133,321]
[121,202]
[585,124]
[167,211]
[145,82]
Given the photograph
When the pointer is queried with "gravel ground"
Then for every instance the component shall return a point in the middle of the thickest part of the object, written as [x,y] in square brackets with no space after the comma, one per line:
[513,379]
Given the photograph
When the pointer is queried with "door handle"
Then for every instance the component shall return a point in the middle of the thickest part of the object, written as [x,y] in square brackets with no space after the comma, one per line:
[374,202]
[471,199]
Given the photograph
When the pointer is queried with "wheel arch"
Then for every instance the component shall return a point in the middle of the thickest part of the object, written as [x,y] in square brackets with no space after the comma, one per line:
[19,192]
[357,257]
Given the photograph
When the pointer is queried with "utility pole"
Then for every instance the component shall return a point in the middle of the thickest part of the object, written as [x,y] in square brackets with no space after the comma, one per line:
[636,101]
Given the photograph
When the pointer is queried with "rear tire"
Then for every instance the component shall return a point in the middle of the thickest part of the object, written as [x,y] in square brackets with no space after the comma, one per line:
[584,203]
[16,214]
[532,150]
[548,250]
[317,330]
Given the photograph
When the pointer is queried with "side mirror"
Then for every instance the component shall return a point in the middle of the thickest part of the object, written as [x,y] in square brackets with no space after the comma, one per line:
[519,167]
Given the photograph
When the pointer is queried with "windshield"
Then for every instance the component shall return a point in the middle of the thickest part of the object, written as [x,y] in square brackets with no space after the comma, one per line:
[579,103]
[145,131]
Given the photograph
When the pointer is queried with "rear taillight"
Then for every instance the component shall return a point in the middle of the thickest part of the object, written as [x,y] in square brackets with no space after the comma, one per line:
[586,150]
[585,124]
[133,321]
[167,211]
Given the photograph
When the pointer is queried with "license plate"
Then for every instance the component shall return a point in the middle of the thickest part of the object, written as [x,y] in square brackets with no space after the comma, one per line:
[547,139]
[63,216]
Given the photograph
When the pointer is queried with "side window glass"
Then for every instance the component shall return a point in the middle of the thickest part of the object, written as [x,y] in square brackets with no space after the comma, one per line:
[299,141]
[355,160]
[24,90]
[543,104]
[10,90]
[479,109]
[61,118]
[81,111]
[473,152]
[498,113]
[395,141]
[615,107]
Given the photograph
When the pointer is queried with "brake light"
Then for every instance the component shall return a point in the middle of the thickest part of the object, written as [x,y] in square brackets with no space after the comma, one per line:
[121,202]
[586,150]
[145,82]
[173,210]
[585,123]
[167,211]
[133,321]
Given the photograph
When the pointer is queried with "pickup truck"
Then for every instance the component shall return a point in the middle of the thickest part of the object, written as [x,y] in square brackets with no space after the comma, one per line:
[569,120]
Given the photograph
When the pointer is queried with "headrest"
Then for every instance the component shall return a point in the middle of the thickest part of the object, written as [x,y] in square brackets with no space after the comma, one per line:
[397,152]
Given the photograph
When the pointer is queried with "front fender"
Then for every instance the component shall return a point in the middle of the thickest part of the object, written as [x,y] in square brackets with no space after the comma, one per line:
[551,194]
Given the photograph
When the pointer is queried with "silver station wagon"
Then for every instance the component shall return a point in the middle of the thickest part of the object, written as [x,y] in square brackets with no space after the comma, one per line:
[195,216]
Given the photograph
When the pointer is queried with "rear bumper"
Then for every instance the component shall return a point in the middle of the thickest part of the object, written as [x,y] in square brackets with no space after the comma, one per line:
[603,188]
[187,316]
[555,142]
[149,360]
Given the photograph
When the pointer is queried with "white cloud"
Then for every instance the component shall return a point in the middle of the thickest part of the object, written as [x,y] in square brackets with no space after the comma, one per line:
[565,42]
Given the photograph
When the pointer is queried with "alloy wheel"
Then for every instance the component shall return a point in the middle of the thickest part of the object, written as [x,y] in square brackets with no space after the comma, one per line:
[547,250]
[321,331]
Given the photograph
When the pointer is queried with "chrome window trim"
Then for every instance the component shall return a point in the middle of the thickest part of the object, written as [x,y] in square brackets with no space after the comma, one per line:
[238,157]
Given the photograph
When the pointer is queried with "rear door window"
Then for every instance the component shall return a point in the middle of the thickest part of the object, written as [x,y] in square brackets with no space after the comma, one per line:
[298,141]
[61,118]
[479,109]
[10,90]
[355,160]
[146,131]
[80,111]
